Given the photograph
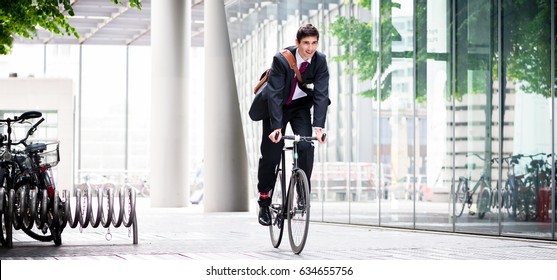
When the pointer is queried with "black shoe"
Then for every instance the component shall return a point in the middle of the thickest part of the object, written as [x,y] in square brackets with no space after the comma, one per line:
[264,216]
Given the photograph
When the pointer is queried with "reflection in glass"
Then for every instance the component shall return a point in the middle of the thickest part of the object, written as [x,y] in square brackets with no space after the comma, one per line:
[526,114]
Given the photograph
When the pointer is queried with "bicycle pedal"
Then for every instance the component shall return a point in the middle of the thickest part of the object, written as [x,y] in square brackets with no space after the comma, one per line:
[471,213]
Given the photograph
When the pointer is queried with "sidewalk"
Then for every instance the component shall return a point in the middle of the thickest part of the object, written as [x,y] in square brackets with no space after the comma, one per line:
[189,234]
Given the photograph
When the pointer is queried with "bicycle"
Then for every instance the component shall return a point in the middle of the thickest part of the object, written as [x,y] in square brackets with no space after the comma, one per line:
[513,183]
[464,195]
[27,190]
[295,207]
[527,197]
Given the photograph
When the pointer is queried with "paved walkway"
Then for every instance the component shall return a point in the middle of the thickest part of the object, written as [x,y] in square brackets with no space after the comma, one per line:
[189,234]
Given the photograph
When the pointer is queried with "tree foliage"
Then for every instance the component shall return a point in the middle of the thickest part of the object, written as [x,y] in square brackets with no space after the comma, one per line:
[526,47]
[23,17]
[355,41]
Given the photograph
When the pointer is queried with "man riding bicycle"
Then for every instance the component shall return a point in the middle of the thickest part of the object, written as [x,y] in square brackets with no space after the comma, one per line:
[285,100]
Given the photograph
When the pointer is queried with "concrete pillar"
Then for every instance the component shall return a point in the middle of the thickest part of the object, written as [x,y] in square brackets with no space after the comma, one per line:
[226,172]
[170,44]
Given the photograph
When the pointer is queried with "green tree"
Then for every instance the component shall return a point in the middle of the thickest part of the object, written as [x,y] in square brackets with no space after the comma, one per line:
[527,44]
[22,17]
[355,40]
[526,47]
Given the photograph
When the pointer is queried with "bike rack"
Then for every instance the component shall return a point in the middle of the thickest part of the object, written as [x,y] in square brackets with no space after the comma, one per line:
[90,207]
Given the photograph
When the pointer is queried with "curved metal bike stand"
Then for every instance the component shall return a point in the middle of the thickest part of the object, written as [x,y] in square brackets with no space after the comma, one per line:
[44,220]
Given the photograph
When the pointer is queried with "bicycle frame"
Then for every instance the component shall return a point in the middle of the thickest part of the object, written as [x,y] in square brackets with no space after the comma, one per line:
[483,188]
[282,167]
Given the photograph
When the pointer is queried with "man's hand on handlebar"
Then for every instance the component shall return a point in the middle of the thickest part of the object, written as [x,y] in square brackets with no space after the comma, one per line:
[320,134]
[275,136]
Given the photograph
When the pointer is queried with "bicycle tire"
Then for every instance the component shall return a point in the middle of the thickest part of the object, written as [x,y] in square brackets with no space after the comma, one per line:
[7,229]
[19,206]
[461,196]
[31,209]
[3,202]
[507,199]
[277,215]
[43,237]
[298,211]
[42,209]
[42,223]
[55,224]
[22,209]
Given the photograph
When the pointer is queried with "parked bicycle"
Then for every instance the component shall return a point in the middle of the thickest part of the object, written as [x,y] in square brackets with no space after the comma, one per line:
[295,206]
[512,185]
[464,195]
[27,189]
[537,176]
[29,200]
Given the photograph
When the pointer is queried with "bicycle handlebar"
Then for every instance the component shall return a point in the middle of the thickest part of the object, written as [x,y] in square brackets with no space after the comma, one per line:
[29,133]
[302,138]
[299,138]
[493,160]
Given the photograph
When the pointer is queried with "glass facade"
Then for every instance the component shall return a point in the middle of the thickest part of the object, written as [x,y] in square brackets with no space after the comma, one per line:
[420,136]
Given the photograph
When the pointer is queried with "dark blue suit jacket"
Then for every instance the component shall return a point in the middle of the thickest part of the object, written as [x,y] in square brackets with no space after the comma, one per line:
[271,101]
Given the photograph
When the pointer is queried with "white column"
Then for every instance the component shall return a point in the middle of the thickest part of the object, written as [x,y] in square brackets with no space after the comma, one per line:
[226,172]
[170,44]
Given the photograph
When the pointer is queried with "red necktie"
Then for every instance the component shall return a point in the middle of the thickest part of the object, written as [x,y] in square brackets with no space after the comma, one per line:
[293,89]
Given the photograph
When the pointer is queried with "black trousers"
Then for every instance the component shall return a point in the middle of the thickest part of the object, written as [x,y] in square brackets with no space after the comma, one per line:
[299,116]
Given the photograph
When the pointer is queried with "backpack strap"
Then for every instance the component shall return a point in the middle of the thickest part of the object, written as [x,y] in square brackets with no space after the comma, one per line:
[262,81]
[292,62]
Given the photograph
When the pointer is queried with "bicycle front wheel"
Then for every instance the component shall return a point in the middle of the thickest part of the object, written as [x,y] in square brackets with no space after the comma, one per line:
[8,197]
[507,201]
[461,196]
[277,212]
[298,210]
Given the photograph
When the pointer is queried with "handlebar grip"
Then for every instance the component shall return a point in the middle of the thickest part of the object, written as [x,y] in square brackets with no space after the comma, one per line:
[276,135]
[34,127]
[324,136]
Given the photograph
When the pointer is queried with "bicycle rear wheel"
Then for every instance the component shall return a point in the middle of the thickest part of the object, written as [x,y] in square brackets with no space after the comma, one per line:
[277,214]
[298,210]
[526,204]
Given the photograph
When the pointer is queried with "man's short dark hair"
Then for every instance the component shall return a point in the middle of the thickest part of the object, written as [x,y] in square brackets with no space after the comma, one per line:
[307,30]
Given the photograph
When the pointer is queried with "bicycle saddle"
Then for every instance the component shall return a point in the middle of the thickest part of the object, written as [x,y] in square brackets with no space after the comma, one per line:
[29,115]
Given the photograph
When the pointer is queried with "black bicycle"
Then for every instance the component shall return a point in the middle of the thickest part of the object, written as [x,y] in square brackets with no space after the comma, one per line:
[25,199]
[295,206]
